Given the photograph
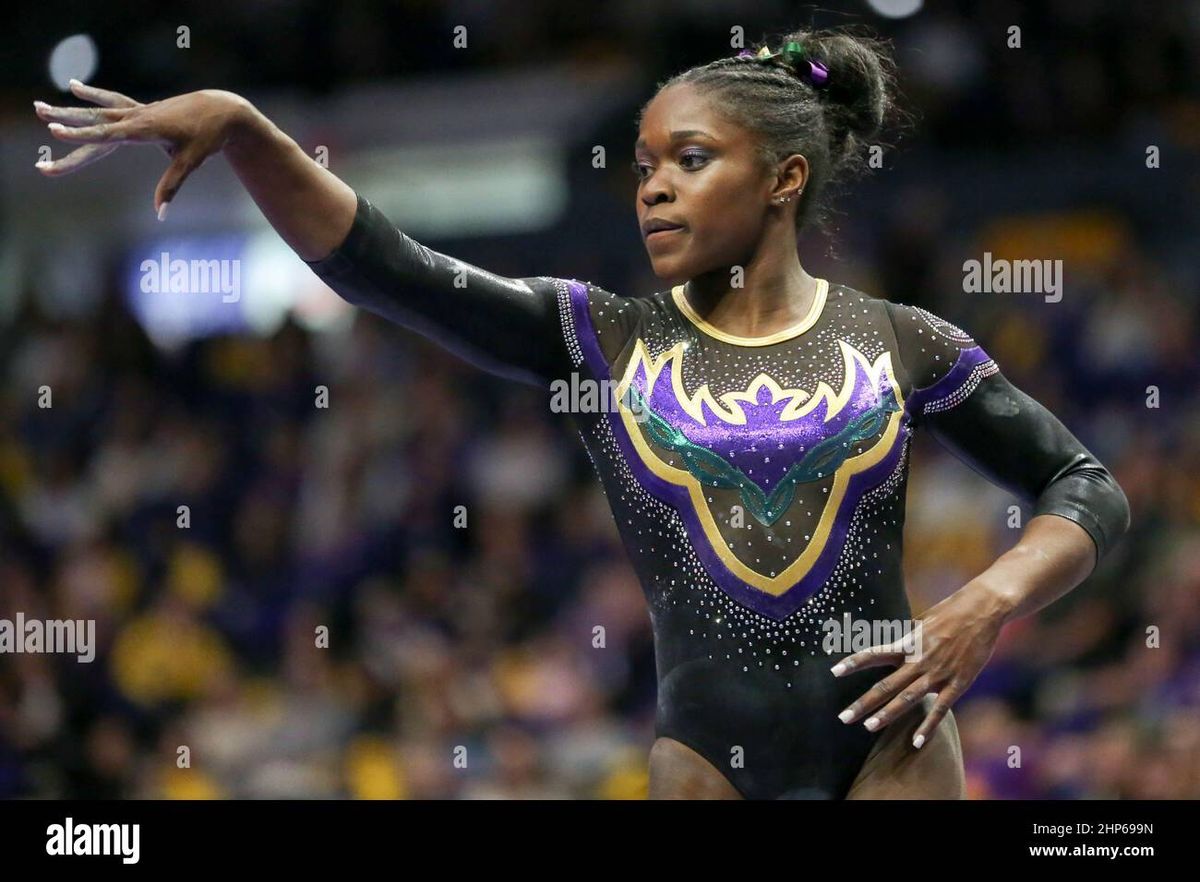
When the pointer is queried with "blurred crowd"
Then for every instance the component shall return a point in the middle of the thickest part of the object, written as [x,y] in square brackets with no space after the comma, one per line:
[394,596]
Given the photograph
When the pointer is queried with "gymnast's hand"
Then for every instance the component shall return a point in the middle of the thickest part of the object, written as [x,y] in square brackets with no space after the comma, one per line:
[945,653]
[189,128]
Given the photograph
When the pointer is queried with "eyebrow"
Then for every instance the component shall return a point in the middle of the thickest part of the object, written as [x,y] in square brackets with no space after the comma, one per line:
[675,136]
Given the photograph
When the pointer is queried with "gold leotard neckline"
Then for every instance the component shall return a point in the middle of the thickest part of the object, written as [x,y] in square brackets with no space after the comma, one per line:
[795,330]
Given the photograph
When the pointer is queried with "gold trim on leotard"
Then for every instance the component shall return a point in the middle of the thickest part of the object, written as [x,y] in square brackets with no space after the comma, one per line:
[814,312]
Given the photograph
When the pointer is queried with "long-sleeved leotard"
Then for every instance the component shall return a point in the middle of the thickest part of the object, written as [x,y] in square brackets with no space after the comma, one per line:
[758,483]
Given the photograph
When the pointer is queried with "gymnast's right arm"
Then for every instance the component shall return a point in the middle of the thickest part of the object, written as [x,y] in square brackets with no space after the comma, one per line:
[508,326]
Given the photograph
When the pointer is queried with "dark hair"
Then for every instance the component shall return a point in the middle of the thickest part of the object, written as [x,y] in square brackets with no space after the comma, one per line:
[830,125]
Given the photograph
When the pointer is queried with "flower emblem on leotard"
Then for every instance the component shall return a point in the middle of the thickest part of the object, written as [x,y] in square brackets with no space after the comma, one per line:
[762,446]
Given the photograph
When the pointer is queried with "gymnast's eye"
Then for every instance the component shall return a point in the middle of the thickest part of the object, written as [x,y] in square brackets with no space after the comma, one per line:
[690,161]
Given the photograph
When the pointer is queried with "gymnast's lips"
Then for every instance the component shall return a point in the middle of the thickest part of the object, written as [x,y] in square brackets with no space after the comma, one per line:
[657,225]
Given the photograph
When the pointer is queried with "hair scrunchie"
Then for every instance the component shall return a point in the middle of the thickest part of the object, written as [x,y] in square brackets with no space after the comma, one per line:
[795,57]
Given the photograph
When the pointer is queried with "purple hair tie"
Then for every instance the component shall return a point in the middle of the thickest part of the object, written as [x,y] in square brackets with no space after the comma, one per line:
[818,74]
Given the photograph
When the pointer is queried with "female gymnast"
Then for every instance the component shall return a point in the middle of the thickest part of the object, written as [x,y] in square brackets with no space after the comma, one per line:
[755,454]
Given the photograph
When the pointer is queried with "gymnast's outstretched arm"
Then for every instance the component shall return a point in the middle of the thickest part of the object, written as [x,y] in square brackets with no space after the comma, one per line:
[508,326]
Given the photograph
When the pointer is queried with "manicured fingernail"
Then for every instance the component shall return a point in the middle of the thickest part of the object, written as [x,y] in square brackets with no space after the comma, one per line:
[839,669]
[74,82]
[918,741]
[41,105]
[41,163]
[872,724]
[162,210]
[846,716]
[56,127]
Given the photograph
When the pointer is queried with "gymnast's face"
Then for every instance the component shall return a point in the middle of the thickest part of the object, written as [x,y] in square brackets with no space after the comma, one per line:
[700,172]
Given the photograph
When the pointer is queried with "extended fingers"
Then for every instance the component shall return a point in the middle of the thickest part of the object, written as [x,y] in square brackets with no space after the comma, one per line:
[903,700]
[945,699]
[872,657]
[79,116]
[121,130]
[896,688]
[75,160]
[104,97]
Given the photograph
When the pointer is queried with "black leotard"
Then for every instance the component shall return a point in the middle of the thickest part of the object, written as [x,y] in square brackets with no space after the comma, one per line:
[758,483]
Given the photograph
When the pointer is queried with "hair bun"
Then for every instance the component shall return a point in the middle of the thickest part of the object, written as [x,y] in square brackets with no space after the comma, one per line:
[857,93]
